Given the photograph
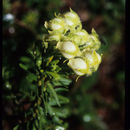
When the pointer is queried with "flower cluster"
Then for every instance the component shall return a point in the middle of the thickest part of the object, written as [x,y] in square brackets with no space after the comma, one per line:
[74,43]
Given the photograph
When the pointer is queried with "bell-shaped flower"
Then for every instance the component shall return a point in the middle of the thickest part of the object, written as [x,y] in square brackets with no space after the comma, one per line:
[93,41]
[72,20]
[79,37]
[93,59]
[78,65]
[54,37]
[68,49]
[56,25]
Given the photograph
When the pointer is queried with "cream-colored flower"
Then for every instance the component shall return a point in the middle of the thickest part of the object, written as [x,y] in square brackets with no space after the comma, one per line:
[74,43]
[93,59]
[78,65]
[80,37]
[68,49]
[72,20]
[54,37]
[57,25]
[93,41]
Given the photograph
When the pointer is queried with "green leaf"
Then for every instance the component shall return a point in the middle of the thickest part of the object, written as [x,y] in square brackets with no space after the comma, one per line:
[63,100]
[24,67]
[28,123]
[31,77]
[34,128]
[49,60]
[45,106]
[50,110]
[53,93]
[61,89]
[16,127]
[57,83]
[25,59]
[64,81]
[55,62]
[26,86]
[63,113]
[57,120]
[54,75]
[36,123]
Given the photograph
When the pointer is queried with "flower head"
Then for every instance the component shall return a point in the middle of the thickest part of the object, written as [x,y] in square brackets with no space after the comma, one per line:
[57,25]
[93,41]
[54,37]
[72,20]
[68,49]
[80,37]
[93,58]
[74,43]
[78,65]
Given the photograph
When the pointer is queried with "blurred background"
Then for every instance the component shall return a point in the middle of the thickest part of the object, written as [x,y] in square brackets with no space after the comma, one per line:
[96,102]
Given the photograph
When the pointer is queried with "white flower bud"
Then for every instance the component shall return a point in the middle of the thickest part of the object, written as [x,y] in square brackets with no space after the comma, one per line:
[54,37]
[72,20]
[78,65]
[93,59]
[66,32]
[79,37]
[56,25]
[93,41]
[68,49]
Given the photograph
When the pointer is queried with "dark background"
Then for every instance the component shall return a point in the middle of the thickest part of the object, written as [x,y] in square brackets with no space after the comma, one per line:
[96,102]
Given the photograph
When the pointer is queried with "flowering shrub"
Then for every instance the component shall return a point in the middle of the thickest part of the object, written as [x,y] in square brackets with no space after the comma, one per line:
[74,43]
[38,90]
[41,96]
